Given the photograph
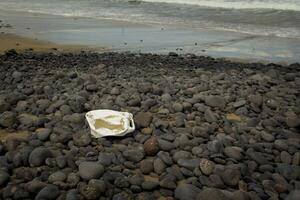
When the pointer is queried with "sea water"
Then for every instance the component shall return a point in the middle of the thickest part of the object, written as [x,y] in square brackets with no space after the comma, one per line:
[258,17]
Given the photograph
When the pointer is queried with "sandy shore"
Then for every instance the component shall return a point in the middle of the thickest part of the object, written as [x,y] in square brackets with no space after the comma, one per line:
[205,128]
[21,44]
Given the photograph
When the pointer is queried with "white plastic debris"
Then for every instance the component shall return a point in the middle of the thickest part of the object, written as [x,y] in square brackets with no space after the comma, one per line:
[109,123]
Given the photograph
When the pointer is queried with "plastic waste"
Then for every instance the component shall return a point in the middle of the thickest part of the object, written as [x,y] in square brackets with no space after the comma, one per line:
[109,123]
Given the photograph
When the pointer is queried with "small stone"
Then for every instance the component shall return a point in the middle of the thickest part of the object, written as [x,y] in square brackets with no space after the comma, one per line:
[143,119]
[90,170]
[281,145]
[165,156]
[47,193]
[207,166]
[43,133]
[210,116]
[38,156]
[233,152]
[4,177]
[231,177]
[150,183]
[115,91]
[93,189]
[147,131]
[267,137]
[292,120]
[165,145]
[186,192]
[159,166]
[211,194]
[177,107]
[57,176]
[190,164]
[215,101]
[134,155]
[285,157]
[240,103]
[231,117]
[7,119]
[151,146]
[256,100]
[293,195]
[146,166]
[91,87]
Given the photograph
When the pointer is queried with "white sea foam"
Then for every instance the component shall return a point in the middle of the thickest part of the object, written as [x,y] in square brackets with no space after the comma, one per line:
[238,4]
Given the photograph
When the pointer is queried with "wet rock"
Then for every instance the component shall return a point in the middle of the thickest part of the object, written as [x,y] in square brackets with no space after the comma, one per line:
[151,146]
[38,156]
[90,170]
[186,192]
[47,193]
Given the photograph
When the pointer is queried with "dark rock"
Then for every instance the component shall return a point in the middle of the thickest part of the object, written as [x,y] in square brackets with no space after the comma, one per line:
[210,116]
[257,157]
[181,155]
[92,190]
[281,145]
[233,152]
[186,192]
[165,156]
[43,133]
[57,176]
[47,193]
[293,195]
[146,166]
[7,119]
[90,170]
[215,101]
[211,194]
[190,164]
[38,156]
[134,155]
[231,177]
[143,119]
[4,177]
[159,166]
[151,146]
[165,145]
[177,107]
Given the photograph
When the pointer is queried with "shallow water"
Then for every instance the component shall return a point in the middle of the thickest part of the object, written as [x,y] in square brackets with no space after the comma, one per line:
[259,17]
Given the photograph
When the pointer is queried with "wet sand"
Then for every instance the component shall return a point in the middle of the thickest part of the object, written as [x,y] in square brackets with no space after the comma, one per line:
[21,44]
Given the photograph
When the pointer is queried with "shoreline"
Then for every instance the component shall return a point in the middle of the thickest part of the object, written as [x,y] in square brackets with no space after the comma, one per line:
[145,38]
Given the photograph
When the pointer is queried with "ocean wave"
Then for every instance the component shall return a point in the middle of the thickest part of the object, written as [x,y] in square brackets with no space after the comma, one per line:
[239,4]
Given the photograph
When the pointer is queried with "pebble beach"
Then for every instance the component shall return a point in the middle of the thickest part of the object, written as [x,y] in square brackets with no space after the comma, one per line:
[206,129]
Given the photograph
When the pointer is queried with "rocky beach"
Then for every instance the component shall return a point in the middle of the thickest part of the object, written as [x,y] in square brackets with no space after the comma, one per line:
[206,129]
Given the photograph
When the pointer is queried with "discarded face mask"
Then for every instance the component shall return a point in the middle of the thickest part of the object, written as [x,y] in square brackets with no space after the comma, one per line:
[109,123]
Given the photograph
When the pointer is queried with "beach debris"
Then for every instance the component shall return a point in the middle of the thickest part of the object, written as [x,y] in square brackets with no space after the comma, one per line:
[109,123]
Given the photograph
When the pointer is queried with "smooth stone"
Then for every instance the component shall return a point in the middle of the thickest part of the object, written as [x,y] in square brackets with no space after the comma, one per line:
[231,177]
[211,194]
[159,166]
[57,176]
[38,156]
[207,167]
[134,155]
[143,119]
[233,152]
[267,137]
[4,177]
[285,157]
[181,154]
[48,193]
[186,191]
[165,156]
[151,146]
[43,133]
[90,170]
[215,101]
[177,107]
[257,157]
[281,145]
[7,119]
[146,166]
[238,104]
[165,145]
[210,116]
[190,164]
[293,195]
